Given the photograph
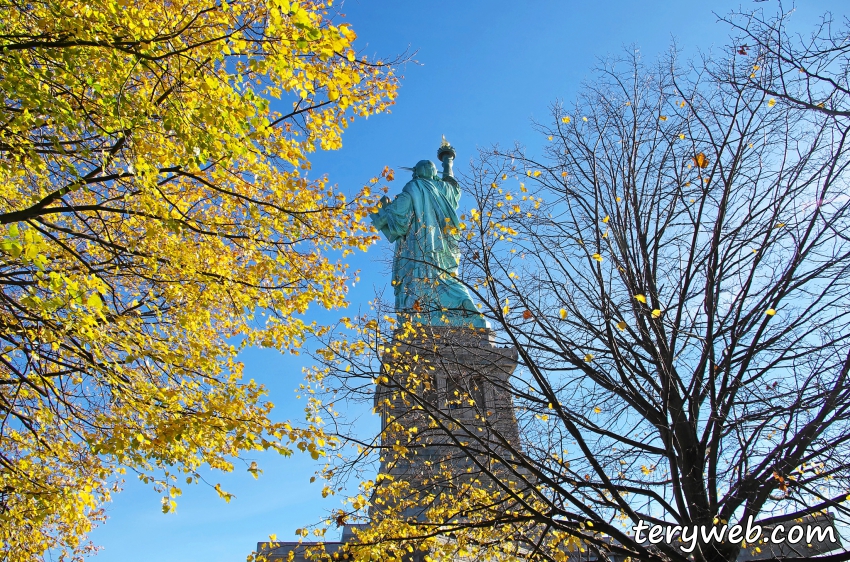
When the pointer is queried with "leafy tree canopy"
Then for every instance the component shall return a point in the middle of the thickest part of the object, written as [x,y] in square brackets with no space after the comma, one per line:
[155,211]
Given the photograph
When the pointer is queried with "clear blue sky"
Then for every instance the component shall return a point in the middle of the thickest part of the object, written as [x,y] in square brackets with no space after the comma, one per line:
[485,70]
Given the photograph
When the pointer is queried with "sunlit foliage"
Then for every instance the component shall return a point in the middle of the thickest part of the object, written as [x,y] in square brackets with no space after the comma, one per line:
[157,215]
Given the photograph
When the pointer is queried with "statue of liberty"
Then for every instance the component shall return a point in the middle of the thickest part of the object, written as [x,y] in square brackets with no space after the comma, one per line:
[423,223]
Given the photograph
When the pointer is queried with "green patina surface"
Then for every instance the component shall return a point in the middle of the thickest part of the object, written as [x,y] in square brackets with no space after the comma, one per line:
[423,223]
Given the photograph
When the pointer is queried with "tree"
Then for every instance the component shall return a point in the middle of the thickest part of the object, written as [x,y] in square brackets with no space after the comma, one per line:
[805,72]
[673,272]
[158,217]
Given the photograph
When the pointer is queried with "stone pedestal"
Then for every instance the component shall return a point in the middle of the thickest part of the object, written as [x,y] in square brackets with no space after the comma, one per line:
[450,384]
[444,404]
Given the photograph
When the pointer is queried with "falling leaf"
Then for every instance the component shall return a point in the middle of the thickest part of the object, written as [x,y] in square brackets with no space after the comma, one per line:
[597,410]
[640,298]
[622,324]
[682,104]
[597,257]
[770,311]
[701,160]
[562,313]
[771,102]
[550,137]
[588,358]
[656,313]
[662,118]
[779,225]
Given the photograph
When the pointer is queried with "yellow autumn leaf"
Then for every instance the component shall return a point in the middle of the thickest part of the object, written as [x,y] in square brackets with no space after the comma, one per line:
[770,311]
[656,313]
[94,301]
[640,298]
[565,119]
[588,358]
[606,219]
[771,102]
[562,313]
[662,118]
[622,324]
[597,257]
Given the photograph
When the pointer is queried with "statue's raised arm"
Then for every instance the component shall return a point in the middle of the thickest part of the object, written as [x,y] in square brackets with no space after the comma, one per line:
[423,223]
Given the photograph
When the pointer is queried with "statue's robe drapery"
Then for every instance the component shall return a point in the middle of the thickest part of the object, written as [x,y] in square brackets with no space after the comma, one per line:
[422,221]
